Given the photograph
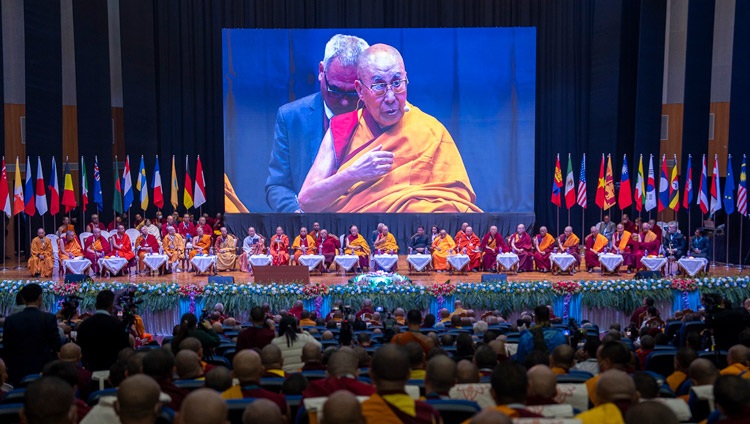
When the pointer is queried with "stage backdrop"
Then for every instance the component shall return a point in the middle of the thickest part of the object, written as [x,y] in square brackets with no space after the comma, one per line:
[478,82]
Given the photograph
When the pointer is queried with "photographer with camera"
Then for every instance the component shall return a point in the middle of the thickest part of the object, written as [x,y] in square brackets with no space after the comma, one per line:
[723,322]
[102,336]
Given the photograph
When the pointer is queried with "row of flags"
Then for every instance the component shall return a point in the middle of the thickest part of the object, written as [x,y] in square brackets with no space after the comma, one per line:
[31,196]
[645,196]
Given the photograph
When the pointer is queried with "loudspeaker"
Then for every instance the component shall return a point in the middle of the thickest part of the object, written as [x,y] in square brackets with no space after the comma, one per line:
[76,278]
[494,278]
[216,279]
[647,275]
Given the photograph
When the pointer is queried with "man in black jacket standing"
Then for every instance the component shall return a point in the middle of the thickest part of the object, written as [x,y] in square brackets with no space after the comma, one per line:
[102,336]
[30,337]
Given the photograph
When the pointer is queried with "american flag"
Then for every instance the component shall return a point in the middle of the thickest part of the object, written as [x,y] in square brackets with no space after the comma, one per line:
[582,200]
[742,189]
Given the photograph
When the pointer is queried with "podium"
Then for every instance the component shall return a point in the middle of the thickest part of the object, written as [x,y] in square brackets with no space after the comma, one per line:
[281,274]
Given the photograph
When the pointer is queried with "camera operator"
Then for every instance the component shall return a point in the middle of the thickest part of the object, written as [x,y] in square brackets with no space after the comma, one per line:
[102,336]
[723,323]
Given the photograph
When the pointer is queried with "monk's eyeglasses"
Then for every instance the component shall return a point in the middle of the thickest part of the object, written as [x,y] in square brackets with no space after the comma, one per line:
[337,92]
[380,88]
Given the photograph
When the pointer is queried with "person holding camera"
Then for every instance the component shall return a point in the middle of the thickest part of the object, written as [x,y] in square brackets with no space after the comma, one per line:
[102,336]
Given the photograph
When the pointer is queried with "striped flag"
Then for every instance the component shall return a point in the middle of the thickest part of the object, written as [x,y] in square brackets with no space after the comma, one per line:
[175,188]
[650,186]
[624,199]
[674,188]
[703,189]
[54,190]
[200,184]
[556,184]
[17,191]
[609,185]
[688,184]
[187,194]
[570,186]
[41,195]
[127,186]
[582,198]
[98,199]
[715,187]
[84,185]
[28,191]
[4,192]
[741,189]
[599,199]
[640,192]
[68,195]
[663,186]
[142,185]
[158,194]
[729,188]
[117,198]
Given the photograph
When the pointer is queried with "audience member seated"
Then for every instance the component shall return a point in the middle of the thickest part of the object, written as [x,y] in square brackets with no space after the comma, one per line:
[258,335]
[562,359]
[612,355]
[485,359]
[647,346]
[466,372]
[465,347]
[737,357]
[102,336]
[189,328]
[294,384]
[195,345]
[390,403]
[203,406]
[732,398]
[650,412]
[342,375]
[342,407]
[312,357]
[263,411]
[138,400]
[646,385]
[414,322]
[682,360]
[440,377]
[248,370]
[616,393]
[291,341]
[510,388]
[489,416]
[542,386]
[49,400]
[416,360]
[67,372]
[159,365]
[366,311]
[305,320]
[71,352]
[273,362]
[219,379]
[703,374]
[188,365]
[541,336]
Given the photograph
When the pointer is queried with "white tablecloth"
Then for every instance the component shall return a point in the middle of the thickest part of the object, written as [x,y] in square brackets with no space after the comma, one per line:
[507,260]
[563,260]
[387,262]
[610,261]
[203,263]
[260,260]
[458,261]
[77,265]
[311,261]
[419,262]
[693,265]
[153,262]
[654,264]
[346,261]
[113,264]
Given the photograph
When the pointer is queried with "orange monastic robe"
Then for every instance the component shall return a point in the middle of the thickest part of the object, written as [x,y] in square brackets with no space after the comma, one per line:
[594,246]
[126,251]
[279,249]
[41,247]
[428,174]
[174,247]
[389,245]
[72,247]
[303,247]
[546,244]
[440,257]
[200,245]
[471,244]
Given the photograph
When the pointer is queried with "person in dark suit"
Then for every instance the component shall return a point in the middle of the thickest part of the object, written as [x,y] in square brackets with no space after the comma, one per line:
[102,336]
[674,242]
[301,124]
[30,337]
[699,246]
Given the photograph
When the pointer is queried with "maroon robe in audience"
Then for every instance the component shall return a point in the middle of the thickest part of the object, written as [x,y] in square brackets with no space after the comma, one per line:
[326,386]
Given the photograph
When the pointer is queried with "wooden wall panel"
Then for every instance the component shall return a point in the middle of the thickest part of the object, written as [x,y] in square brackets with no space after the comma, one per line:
[673,144]
[13,145]
[720,144]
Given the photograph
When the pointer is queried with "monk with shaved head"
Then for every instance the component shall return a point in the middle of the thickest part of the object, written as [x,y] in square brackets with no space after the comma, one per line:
[203,406]
[616,393]
[247,367]
[138,400]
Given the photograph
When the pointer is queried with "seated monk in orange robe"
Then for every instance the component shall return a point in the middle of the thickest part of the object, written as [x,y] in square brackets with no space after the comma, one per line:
[382,158]
[70,247]
[595,244]
[279,248]
[145,244]
[42,259]
[568,242]
[201,243]
[121,244]
[470,244]
[304,244]
[521,245]
[648,244]
[461,234]
[95,248]
[543,245]
[623,243]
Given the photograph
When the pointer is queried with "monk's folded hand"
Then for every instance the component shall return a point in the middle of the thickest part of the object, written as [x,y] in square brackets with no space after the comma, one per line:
[374,164]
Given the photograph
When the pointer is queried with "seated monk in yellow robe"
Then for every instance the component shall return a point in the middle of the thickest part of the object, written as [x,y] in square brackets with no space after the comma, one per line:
[595,244]
[70,247]
[42,260]
[388,156]
[442,247]
[304,244]
[279,248]
[386,244]
[174,247]
[226,251]
[357,245]
[568,242]
[543,245]
[201,243]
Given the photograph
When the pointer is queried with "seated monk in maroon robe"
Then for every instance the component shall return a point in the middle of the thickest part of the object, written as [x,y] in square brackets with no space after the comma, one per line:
[544,243]
[648,244]
[623,243]
[568,242]
[492,244]
[329,247]
[521,245]
[595,244]
[96,247]
[342,375]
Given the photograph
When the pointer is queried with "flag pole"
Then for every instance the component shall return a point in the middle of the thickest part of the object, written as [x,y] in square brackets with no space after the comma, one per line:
[726,253]
[558,217]
[5,243]
[739,267]
[18,236]
[114,212]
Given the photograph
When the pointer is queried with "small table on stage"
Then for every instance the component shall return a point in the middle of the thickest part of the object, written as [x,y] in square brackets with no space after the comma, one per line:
[610,262]
[311,261]
[204,263]
[458,262]
[564,261]
[154,261]
[693,266]
[506,261]
[346,262]
[76,265]
[387,262]
[419,261]
[654,263]
[113,264]
[260,260]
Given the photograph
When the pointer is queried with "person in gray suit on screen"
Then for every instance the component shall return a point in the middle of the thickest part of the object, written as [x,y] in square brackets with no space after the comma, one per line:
[301,124]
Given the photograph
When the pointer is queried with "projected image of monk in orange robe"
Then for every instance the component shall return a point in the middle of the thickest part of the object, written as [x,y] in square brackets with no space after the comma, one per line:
[388,156]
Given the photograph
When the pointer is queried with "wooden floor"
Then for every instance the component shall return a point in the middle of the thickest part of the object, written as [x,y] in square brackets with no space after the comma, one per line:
[12,273]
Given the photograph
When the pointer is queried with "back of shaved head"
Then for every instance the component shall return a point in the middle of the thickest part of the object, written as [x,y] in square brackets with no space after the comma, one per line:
[490,416]
[49,400]
[440,373]
[270,354]
[542,381]
[247,366]
[70,352]
[737,354]
[343,362]
[190,343]
[262,411]
[615,385]
[703,372]
[311,351]
[466,372]
[650,412]
[138,398]
[342,407]
[203,406]
[390,363]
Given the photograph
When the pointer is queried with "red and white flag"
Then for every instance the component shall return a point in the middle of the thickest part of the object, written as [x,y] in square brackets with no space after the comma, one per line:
[200,186]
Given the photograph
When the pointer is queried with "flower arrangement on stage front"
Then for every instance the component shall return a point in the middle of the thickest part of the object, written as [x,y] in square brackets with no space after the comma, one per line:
[313,290]
[445,289]
[563,288]
[379,278]
[684,285]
